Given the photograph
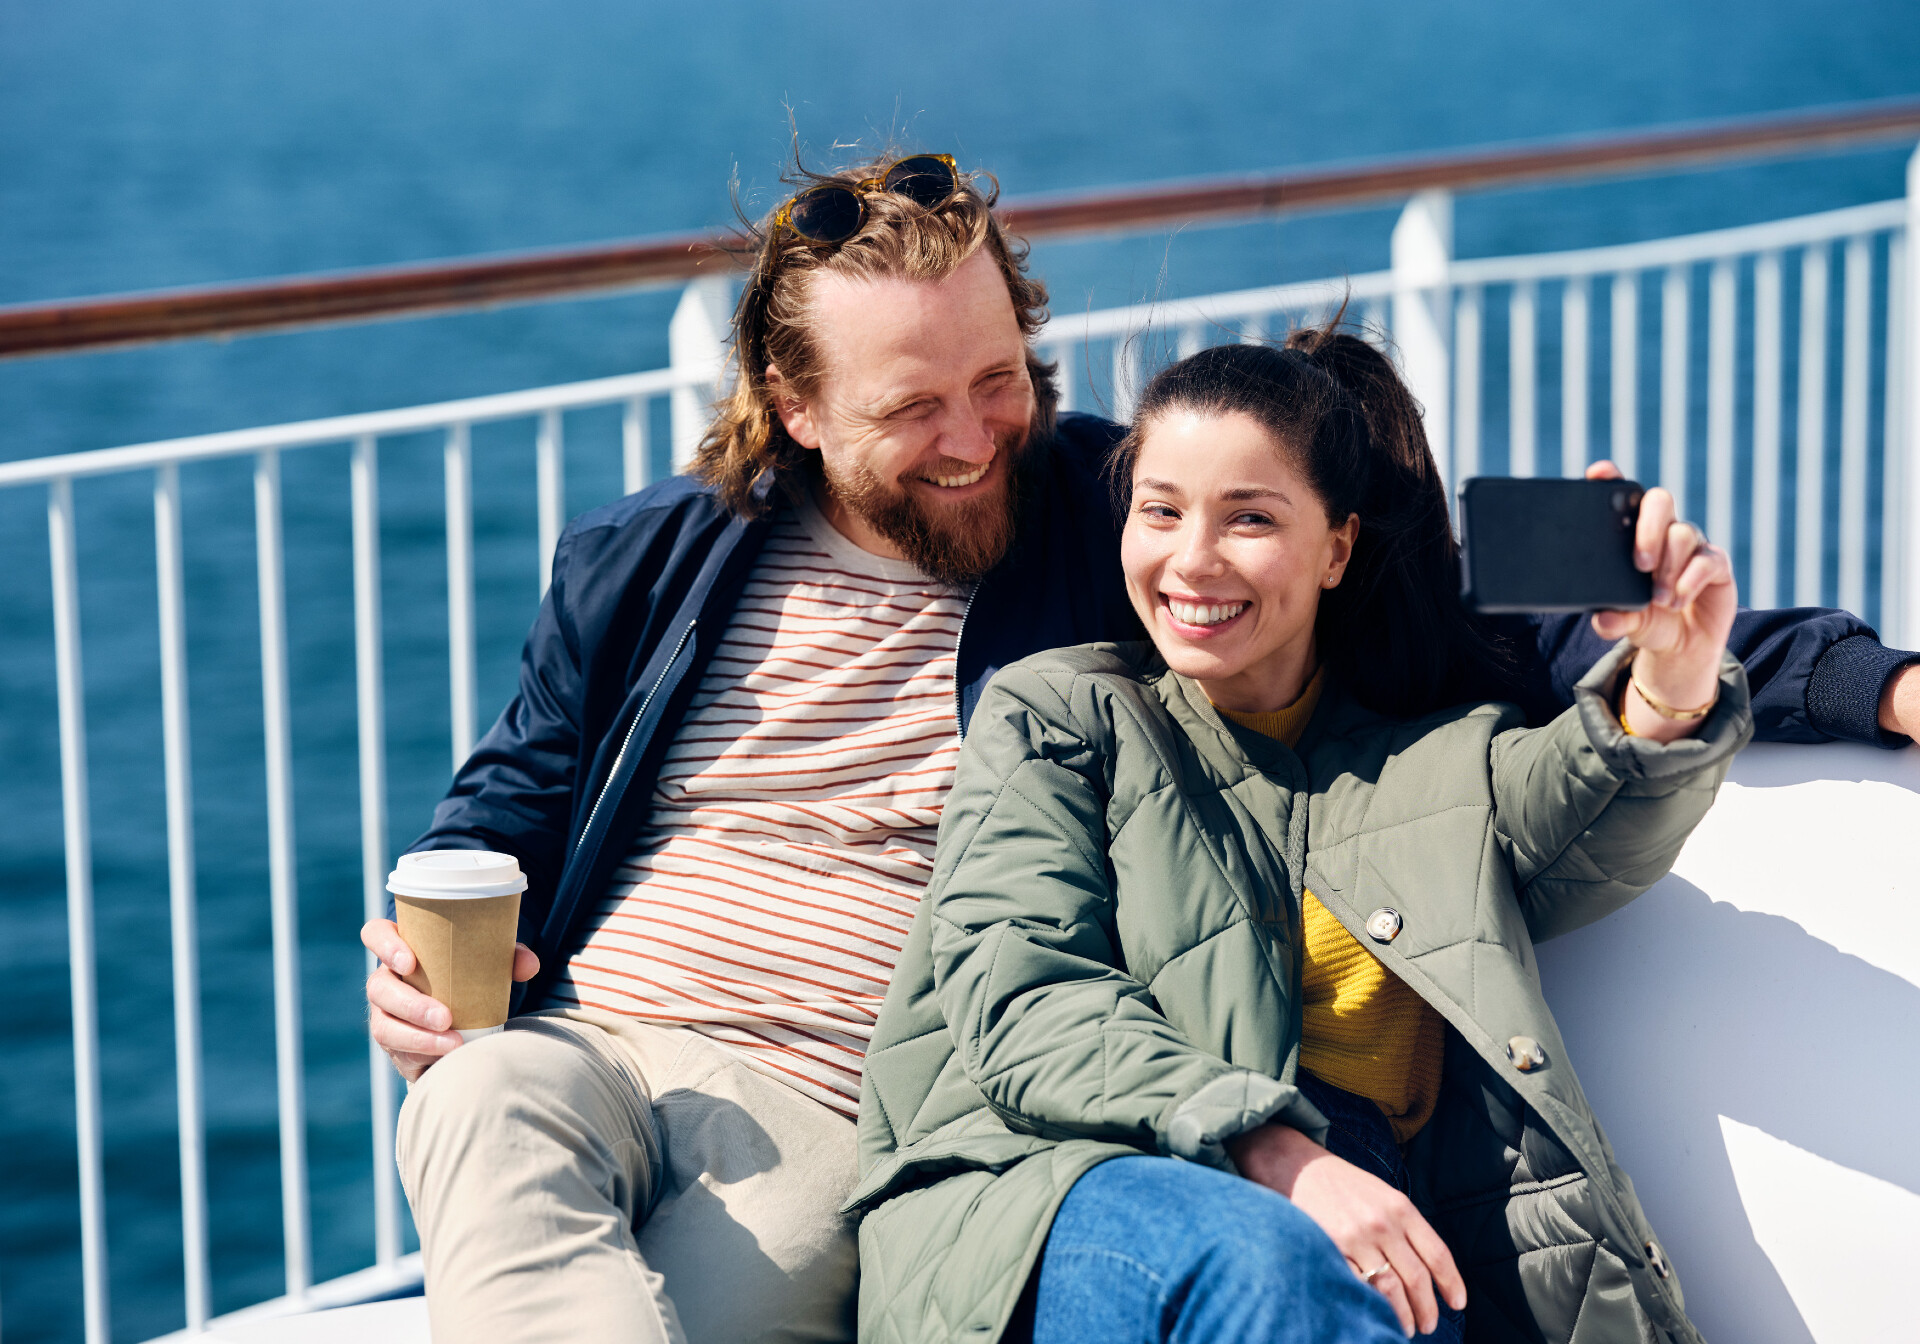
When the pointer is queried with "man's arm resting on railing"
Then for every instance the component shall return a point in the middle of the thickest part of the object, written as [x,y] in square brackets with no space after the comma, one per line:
[1817,675]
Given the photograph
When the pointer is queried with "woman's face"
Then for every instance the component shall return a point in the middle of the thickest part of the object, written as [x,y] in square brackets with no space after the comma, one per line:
[1227,550]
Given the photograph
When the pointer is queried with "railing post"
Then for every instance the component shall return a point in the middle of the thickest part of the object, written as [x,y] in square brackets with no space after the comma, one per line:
[1125,384]
[1810,438]
[371,704]
[1893,463]
[461,656]
[697,339]
[1469,348]
[633,445]
[1576,326]
[1856,334]
[550,472]
[1625,372]
[175,737]
[1723,295]
[71,687]
[1423,313]
[1067,359]
[1523,380]
[1674,352]
[1908,625]
[1763,571]
[283,893]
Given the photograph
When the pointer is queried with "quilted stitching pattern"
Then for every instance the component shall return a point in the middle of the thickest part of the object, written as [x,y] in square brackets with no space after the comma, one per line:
[1161,820]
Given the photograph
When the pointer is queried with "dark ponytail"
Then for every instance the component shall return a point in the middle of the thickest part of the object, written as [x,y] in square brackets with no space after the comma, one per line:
[1394,632]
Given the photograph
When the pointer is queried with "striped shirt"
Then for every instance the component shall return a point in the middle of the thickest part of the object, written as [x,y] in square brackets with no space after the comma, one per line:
[767,898]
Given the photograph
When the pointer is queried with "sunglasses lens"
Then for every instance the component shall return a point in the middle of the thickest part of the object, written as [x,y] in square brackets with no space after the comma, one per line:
[922,179]
[826,214]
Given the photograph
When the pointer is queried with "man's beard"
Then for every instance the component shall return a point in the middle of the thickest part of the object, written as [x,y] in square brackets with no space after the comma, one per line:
[956,544]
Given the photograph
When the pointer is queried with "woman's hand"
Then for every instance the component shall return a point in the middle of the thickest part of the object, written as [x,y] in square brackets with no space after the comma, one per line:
[1375,1226]
[1683,634]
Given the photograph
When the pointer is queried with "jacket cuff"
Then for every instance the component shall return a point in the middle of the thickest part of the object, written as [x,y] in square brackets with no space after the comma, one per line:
[1845,686]
[1234,1103]
[1727,727]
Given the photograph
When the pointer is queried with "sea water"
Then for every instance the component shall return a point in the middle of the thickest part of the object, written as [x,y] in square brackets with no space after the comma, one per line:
[210,140]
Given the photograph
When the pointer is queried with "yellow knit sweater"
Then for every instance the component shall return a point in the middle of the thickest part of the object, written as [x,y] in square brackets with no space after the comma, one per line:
[1361,1027]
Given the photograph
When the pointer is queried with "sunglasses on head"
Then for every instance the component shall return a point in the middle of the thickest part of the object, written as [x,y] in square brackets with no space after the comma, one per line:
[833,212]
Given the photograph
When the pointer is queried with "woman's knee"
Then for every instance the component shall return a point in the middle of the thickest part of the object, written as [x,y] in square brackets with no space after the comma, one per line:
[1225,1247]
[1182,1203]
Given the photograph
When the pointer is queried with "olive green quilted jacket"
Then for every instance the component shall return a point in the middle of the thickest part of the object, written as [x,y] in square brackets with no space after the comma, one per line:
[1106,963]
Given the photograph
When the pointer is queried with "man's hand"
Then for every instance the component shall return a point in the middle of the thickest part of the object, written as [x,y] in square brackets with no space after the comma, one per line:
[1375,1226]
[1900,702]
[1683,634]
[413,1029]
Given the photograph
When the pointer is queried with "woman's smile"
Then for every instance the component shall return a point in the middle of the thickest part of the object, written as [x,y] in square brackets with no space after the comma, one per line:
[1199,617]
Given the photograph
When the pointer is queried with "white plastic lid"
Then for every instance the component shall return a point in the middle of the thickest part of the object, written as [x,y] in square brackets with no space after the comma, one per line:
[456,874]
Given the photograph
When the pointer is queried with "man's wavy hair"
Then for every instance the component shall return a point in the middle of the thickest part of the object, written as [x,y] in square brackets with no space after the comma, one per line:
[746,449]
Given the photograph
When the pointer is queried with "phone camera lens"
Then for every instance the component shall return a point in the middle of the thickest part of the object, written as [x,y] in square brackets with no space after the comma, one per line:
[1620,501]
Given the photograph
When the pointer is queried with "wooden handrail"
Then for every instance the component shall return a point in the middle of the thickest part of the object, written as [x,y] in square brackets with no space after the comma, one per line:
[478,282]
[1584,157]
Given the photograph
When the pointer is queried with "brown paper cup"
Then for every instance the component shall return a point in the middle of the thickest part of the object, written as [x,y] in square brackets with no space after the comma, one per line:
[465,951]
[462,938]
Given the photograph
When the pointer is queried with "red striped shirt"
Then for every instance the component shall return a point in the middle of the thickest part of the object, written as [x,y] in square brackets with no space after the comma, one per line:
[792,830]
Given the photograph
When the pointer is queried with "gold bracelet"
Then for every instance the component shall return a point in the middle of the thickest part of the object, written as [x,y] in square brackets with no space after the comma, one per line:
[1660,707]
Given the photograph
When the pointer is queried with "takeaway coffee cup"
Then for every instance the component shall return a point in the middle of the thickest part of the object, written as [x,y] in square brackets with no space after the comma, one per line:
[458,910]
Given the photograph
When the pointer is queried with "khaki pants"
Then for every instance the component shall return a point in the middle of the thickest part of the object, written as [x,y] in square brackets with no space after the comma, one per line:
[584,1177]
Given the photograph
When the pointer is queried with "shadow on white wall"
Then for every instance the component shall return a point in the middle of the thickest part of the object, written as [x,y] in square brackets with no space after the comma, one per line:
[1749,1034]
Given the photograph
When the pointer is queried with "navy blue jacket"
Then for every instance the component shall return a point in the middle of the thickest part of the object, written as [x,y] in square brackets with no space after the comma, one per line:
[643,589]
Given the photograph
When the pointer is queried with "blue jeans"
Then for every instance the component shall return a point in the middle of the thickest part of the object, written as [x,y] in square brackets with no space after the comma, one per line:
[1151,1250]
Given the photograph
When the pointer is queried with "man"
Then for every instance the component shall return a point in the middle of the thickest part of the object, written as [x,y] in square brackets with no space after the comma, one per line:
[738,715]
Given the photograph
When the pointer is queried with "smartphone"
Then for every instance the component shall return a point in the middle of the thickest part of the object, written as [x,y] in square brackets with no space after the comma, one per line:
[1550,545]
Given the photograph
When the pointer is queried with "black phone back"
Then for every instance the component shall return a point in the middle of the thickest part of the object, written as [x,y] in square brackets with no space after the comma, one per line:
[1550,545]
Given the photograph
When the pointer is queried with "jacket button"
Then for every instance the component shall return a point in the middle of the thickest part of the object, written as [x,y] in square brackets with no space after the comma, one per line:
[1658,1261]
[1526,1054]
[1383,925]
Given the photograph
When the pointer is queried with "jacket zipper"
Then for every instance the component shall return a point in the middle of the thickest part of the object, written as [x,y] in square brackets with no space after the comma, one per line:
[959,721]
[632,727]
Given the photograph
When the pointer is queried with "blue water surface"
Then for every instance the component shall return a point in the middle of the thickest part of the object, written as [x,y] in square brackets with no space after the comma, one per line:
[205,140]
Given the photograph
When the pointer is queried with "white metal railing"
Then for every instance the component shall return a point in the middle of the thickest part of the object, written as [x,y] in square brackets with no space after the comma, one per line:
[1074,341]
[1439,329]
[1433,308]
[546,407]
[1759,260]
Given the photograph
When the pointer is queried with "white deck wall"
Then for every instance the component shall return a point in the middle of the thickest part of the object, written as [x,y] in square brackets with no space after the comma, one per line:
[1749,1034]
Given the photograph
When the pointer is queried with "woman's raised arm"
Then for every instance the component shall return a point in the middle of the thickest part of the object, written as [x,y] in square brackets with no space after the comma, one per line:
[1590,815]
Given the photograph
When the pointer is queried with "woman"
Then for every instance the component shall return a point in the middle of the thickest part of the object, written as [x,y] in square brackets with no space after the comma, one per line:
[1219,1019]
